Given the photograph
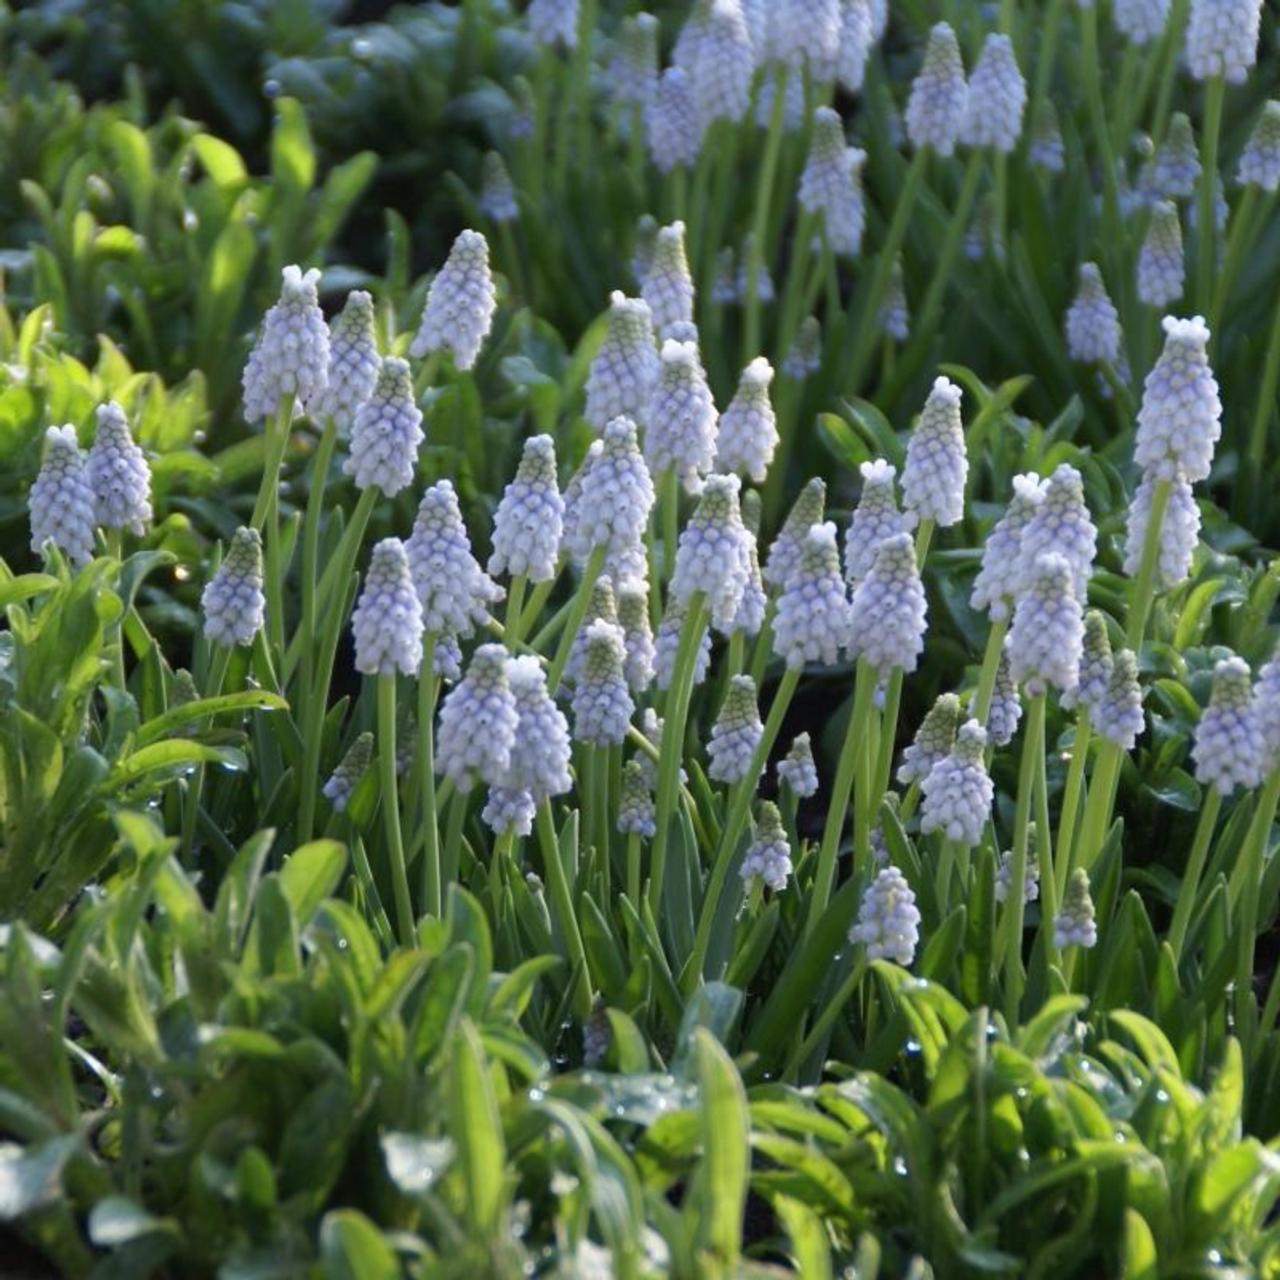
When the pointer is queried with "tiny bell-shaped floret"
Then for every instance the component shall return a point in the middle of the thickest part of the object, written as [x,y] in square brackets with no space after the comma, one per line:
[888,616]
[509,810]
[1004,877]
[875,518]
[540,752]
[997,98]
[813,619]
[1096,661]
[625,368]
[118,474]
[1266,709]
[637,631]
[736,733]
[478,723]
[1176,167]
[1074,925]
[797,769]
[803,31]
[602,703]
[1222,38]
[290,360]
[601,603]
[1180,418]
[805,356]
[353,363]
[343,781]
[768,856]
[831,183]
[1093,324]
[998,581]
[1118,717]
[939,95]
[764,290]
[1161,268]
[1006,705]
[387,432]
[958,791]
[554,22]
[675,129]
[1260,160]
[633,70]
[937,465]
[388,617]
[668,284]
[749,616]
[1230,749]
[895,314]
[1047,636]
[611,507]
[807,510]
[529,521]
[1047,152]
[497,192]
[637,814]
[460,303]
[888,919]
[1061,523]
[933,741]
[1140,21]
[454,591]
[667,642]
[748,427]
[233,602]
[712,556]
[1179,534]
[681,422]
[856,40]
[724,64]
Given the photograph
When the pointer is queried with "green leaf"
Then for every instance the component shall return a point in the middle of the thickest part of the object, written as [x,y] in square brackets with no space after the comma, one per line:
[246,700]
[726,1155]
[476,1131]
[221,162]
[179,754]
[310,874]
[1141,1261]
[23,588]
[352,1248]
[293,158]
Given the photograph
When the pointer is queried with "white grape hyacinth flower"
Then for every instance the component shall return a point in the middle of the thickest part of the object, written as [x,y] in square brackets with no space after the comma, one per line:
[748,432]
[233,602]
[814,615]
[387,432]
[118,474]
[1047,636]
[937,463]
[478,722]
[528,524]
[958,790]
[888,919]
[1230,750]
[939,95]
[387,621]
[460,304]
[889,607]
[289,363]
[1180,419]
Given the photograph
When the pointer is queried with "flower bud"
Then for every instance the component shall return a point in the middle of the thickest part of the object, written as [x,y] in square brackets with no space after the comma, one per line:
[353,363]
[958,790]
[748,427]
[602,703]
[996,99]
[668,284]
[768,856]
[342,783]
[736,733]
[813,619]
[1061,523]
[529,521]
[497,192]
[937,464]
[1260,160]
[784,554]
[1180,419]
[1118,717]
[1230,749]
[1048,631]
[118,474]
[625,368]
[888,615]
[712,556]
[939,95]
[233,602]
[1093,324]
[290,360]
[1074,925]
[831,184]
[387,432]
[460,303]
[1161,269]
[681,421]
[387,621]
[478,722]
[1000,577]
[797,769]
[933,741]
[875,518]
[888,919]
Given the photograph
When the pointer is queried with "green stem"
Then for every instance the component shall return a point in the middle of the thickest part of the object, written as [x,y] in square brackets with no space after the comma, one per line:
[266,510]
[633,867]
[1097,812]
[335,578]
[1044,850]
[1071,799]
[1266,404]
[1032,747]
[1215,89]
[825,1020]
[673,741]
[1240,238]
[1189,890]
[1251,862]
[670,503]
[391,806]
[990,666]
[866,331]
[515,615]
[735,823]
[451,854]
[317,700]
[846,769]
[562,901]
[432,890]
[191,801]
[946,869]
[115,633]
[1045,61]
[760,218]
[581,602]
[1144,584]
[1101,132]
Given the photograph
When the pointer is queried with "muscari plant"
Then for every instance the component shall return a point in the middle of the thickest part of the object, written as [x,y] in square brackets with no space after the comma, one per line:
[550,766]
